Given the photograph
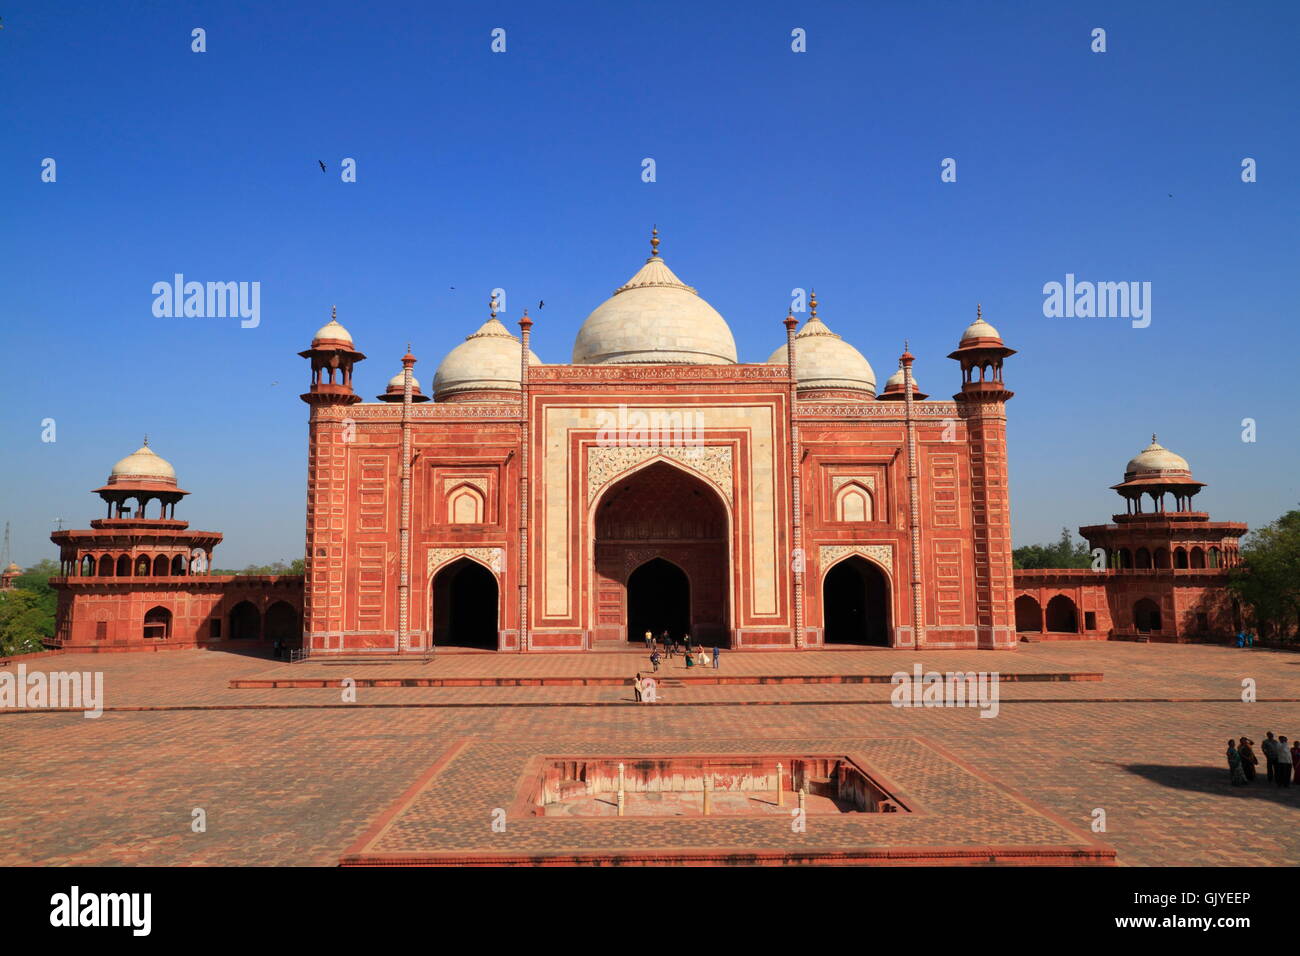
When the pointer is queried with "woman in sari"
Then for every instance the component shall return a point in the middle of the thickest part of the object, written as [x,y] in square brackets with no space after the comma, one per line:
[1248,759]
[1234,765]
[690,660]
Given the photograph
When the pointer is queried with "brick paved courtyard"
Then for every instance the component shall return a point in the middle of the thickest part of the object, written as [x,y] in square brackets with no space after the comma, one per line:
[297,776]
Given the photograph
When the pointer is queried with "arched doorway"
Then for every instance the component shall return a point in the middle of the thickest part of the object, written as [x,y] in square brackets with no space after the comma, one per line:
[1029,614]
[661,512]
[245,622]
[282,624]
[1062,615]
[158,623]
[1146,615]
[465,605]
[659,598]
[855,603]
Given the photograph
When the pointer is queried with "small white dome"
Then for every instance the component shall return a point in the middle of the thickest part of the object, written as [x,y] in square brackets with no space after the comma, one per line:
[654,318]
[143,463]
[979,329]
[488,359]
[333,332]
[897,379]
[824,360]
[1157,460]
[398,381]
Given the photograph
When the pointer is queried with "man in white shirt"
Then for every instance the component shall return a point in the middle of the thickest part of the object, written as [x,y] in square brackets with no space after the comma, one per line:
[1283,763]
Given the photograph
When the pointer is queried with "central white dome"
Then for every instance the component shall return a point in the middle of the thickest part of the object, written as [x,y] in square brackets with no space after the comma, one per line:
[654,318]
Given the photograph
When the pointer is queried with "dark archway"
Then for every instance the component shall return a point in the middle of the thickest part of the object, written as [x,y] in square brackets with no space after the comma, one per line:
[662,512]
[855,603]
[1029,614]
[659,598]
[1062,615]
[245,622]
[465,606]
[123,566]
[158,623]
[282,624]
[1146,615]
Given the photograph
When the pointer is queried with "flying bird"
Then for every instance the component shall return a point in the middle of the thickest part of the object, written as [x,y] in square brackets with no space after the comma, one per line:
[322,165]
[540,303]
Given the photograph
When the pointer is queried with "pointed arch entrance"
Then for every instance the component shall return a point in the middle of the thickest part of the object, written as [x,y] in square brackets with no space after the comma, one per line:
[661,555]
[465,605]
[855,603]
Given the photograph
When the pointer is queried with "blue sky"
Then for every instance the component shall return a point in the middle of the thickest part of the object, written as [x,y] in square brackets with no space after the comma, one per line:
[522,170]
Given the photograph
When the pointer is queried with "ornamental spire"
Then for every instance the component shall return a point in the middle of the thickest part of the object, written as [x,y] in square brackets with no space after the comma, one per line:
[654,242]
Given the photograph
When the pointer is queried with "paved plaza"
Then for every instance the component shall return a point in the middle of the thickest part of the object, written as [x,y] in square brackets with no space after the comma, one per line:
[291,776]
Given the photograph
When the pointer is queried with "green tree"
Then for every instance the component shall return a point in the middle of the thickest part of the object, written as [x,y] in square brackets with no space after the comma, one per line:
[1268,579]
[26,617]
[1065,553]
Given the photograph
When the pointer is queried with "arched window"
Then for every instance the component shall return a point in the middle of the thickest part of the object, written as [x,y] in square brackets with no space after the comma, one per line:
[1198,558]
[1062,615]
[1029,614]
[88,565]
[465,505]
[161,566]
[1214,557]
[158,623]
[178,566]
[1143,558]
[1146,615]
[142,566]
[1180,557]
[1125,558]
[123,566]
[1161,558]
[853,503]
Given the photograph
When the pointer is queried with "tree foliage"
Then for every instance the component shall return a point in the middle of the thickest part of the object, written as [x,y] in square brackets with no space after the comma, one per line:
[27,612]
[1065,553]
[1268,579]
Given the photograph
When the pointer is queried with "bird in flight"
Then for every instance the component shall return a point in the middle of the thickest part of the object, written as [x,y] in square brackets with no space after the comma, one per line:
[322,165]
[540,303]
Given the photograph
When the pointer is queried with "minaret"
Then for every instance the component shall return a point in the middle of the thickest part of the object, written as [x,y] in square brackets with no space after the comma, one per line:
[913,500]
[796,503]
[525,437]
[982,404]
[330,432]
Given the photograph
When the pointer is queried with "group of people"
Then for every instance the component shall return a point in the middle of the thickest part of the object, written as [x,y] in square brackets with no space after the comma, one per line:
[1245,639]
[1279,757]
[666,643]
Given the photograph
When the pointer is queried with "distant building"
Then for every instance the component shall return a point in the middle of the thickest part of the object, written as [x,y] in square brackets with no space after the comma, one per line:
[1160,575]
[7,576]
[133,581]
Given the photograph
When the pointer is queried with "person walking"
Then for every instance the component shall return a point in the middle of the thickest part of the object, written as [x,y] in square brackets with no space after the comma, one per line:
[1269,746]
[654,659]
[1295,761]
[1234,765]
[1245,748]
[636,687]
[1283,762]
[649,640]
[715,657]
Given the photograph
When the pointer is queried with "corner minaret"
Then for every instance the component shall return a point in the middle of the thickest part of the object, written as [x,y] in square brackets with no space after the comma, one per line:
[332,356]
[981,403]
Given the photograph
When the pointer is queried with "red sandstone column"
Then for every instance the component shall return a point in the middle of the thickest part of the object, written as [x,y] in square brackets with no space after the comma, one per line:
[404,527]
[913,506]
[986,423]
[525,435]
[796,503]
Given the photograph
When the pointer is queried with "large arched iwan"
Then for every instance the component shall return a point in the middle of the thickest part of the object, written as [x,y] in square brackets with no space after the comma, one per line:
[465,605]
[661,511]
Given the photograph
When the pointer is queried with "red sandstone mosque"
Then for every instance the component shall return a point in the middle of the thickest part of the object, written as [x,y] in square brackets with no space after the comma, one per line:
[655,482]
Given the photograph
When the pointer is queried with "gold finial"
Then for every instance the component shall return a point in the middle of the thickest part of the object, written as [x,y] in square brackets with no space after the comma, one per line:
[812,304]
[334,313]
[979,312]
[654,241]
[492,305]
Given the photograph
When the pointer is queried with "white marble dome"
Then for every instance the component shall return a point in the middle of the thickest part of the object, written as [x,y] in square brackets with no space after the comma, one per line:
[824,360]
[143,463]
[331,331]
[1156,460]
[979,329]
[488,359]
[897,379]
[654,318]
[398,381]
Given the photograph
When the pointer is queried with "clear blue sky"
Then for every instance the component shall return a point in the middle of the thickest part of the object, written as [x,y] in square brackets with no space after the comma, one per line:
[522,170]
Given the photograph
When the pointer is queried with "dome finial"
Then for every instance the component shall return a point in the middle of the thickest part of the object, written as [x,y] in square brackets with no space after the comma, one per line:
[334,313]
[979,312]
[1153,438]
[654,241]
[146,441]
[492,305]
[812,304]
